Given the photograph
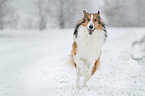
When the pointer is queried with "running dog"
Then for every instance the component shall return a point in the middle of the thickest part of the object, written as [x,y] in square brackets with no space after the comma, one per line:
[89,36]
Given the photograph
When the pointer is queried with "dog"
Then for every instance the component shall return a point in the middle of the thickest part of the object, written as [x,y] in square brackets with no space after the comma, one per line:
[89,36]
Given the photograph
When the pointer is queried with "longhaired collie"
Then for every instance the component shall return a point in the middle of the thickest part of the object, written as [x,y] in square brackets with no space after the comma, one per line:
[89,37]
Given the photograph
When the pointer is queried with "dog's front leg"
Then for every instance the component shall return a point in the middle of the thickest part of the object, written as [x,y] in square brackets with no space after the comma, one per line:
[81,68]
[78,78]
[88,75]
[80,64]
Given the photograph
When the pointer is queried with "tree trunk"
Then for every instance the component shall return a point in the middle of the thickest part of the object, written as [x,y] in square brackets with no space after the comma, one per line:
[61,14]
[42,25]
[1,24]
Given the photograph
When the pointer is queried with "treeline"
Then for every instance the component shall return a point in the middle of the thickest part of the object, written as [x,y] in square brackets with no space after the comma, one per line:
[42,14]
[125,13]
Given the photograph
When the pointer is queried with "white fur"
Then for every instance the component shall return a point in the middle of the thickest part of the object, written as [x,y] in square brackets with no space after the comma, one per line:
[91,22]
[89,46]
[88,51]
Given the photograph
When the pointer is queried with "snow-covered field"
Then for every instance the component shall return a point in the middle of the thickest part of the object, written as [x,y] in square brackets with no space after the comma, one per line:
[34,63]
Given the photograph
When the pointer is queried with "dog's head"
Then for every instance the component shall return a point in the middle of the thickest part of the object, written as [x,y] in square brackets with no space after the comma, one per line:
[92,21]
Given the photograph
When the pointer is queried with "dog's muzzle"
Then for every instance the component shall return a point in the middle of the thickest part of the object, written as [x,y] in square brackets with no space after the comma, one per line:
[91,29]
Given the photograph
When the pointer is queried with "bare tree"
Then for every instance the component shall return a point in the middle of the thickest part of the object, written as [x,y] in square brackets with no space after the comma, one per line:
[2,12]
[42,14]
[42,23]
[70,11]
[125,13]
[6,10]
[61,14]
[14,21]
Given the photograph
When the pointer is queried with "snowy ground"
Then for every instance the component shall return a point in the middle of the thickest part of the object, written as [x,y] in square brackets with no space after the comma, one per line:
[34,63]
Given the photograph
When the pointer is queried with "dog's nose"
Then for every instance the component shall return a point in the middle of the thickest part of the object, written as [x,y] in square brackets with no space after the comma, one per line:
[91,26]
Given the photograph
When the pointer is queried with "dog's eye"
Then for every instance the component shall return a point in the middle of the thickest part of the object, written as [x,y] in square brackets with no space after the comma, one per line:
[88,19]
[95,20]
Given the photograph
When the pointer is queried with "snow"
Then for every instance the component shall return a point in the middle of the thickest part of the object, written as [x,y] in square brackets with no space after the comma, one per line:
[34,63]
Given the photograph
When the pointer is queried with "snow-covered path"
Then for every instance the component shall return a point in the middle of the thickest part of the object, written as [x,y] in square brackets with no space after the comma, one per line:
[34,63]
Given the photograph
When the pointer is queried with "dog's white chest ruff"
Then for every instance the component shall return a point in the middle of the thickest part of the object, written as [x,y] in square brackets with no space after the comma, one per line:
[89,46]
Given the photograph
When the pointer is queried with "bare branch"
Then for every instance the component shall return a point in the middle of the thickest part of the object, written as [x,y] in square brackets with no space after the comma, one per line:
[2,2]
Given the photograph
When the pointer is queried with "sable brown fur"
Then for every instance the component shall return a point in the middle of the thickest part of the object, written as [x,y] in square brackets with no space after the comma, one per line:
[99,24]
[95,66]
[74,48]
[74,52]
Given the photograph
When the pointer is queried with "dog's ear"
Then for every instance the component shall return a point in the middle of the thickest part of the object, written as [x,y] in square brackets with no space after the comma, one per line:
[84,12]
[98,12]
